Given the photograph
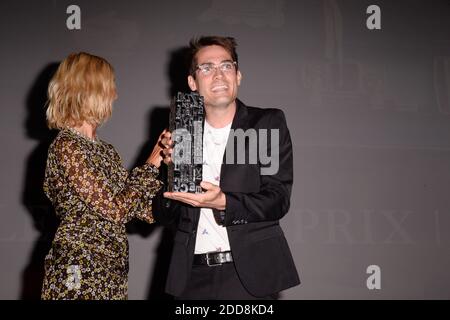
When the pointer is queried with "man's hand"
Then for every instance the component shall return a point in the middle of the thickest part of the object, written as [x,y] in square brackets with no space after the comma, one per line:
[212,198]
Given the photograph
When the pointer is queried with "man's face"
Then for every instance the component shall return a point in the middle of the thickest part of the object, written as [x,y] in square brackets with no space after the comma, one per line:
[219,88]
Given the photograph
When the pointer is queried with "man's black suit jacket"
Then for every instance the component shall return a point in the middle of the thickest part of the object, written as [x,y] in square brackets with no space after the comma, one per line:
[254,205]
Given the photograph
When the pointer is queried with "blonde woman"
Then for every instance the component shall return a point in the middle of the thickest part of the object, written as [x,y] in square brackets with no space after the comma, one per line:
[93,194]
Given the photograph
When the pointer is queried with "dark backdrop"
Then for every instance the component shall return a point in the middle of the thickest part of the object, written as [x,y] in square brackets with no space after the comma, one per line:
[368,111]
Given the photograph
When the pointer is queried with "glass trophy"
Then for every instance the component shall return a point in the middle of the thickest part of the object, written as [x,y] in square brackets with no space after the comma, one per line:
[186,125]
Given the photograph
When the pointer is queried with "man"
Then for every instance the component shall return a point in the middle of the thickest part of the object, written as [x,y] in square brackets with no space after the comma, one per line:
[228,243]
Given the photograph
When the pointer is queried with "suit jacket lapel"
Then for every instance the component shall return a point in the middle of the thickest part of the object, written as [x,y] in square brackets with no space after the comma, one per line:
[239,122]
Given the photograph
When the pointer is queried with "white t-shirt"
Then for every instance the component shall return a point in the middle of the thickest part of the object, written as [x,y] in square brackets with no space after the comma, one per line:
[210,235]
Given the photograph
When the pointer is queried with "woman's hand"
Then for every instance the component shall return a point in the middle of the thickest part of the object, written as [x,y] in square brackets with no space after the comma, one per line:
[157,155]
[167,145]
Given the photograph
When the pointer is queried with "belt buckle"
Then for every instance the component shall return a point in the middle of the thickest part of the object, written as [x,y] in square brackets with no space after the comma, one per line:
[208,258]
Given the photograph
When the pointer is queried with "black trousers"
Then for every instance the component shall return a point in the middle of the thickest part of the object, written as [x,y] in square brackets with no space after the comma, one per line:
[217,283]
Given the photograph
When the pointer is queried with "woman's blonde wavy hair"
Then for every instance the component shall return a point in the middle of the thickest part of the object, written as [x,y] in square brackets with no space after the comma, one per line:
[82,89]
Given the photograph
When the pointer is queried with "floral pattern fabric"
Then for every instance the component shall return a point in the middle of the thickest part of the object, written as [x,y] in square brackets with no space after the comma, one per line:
[94,196]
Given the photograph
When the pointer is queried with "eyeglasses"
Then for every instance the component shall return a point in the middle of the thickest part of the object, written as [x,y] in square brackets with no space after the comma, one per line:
[208,68]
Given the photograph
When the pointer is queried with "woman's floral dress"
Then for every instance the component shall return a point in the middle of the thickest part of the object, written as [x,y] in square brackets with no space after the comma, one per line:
[94,196]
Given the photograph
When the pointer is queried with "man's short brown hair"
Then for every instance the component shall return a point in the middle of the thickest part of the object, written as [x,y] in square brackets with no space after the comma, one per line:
[228,43]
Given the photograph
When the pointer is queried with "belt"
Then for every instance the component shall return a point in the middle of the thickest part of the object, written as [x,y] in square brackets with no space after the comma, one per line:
[212,259]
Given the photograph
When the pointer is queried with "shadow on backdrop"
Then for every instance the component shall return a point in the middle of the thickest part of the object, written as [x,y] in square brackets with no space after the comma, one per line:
[33,198]
[158,120]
